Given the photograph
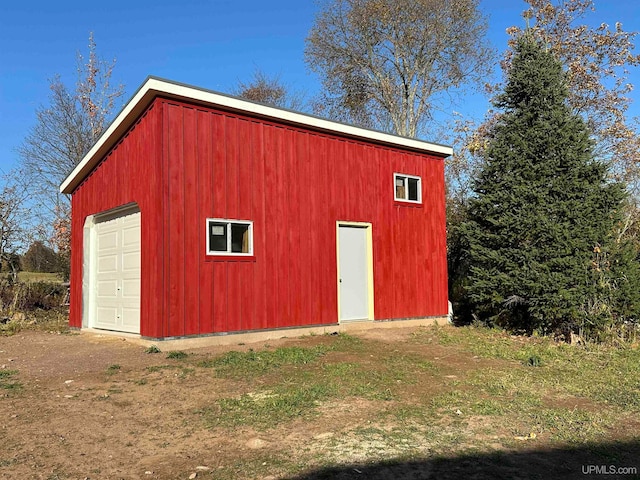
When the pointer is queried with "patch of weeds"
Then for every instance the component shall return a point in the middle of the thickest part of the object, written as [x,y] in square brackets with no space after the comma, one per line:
[444,337]
[571,425]
[407,367]
[354,380]
[500,383]
[344,341]
[502,392]
[252,363]
[516,397]
[482,341]
[268,408]
[177,355]
[533,361]
[55,320]
[142,381]
[427,366]
[488,406]
[6,380]
[409,412]
[373,386]
[152,349]
[455,399]
[113,369]
[610,375]
[382,380]
[10,328]
[603,373]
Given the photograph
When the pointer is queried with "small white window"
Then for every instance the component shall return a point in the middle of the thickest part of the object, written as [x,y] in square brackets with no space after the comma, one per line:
[229,237]
[407,188]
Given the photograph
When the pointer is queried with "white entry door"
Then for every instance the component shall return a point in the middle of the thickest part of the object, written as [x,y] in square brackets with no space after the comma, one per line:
[353,272]
[117,273]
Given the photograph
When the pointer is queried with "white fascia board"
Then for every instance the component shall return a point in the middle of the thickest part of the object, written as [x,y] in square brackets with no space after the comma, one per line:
[158,87]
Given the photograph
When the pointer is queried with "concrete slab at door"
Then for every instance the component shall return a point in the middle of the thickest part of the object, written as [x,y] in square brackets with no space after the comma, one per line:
[117,273]
[353,272]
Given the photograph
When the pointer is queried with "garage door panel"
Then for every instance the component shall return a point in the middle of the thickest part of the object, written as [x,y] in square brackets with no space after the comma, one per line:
[131,262]
[131,319]
[131,237]
[107,239]
[108,264]
[107,317]
[117,282]
[131,288]
[107,289]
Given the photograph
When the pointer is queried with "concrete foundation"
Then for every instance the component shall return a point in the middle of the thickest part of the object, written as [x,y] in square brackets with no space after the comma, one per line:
[234,338]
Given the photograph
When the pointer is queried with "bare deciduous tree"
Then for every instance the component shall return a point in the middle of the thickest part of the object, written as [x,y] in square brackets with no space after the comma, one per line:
[271,91]
[389,64]
[13,220]
[64,132]
[67,128]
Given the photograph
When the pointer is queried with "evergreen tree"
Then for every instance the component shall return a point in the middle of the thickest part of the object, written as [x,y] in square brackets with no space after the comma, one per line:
[544,211]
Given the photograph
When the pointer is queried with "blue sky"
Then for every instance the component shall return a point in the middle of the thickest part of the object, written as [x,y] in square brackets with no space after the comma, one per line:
[211,44]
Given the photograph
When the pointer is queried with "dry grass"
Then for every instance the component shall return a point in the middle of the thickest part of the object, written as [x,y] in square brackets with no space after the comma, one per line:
[31,277]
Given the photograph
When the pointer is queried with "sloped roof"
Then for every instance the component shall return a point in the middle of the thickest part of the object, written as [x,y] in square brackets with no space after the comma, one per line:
[154,87]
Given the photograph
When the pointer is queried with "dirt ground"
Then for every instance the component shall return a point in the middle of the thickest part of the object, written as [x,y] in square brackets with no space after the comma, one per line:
[90,407]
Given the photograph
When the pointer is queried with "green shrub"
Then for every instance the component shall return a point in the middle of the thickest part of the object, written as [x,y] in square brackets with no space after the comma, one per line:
[177,355]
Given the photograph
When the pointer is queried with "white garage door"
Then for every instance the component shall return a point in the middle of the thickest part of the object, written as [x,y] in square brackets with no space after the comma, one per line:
[117,267]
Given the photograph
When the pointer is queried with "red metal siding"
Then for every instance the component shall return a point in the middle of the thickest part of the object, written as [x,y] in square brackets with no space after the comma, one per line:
[131,172]
[294,185]
[183,163]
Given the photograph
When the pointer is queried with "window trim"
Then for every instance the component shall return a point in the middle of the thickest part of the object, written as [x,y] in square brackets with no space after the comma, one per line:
[396,198]
[229,222]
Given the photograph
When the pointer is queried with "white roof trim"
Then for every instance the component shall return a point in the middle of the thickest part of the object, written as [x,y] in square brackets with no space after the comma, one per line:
[154,87]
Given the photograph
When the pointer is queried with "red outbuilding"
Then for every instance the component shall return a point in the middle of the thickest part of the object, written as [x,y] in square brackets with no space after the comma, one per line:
[198,213]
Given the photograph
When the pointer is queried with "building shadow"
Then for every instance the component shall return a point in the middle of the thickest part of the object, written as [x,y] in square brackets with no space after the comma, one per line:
[606,460]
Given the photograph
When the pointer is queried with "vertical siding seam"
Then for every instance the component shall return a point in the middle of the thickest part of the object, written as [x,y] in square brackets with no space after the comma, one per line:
[166,264]
[212,156]
[198,219]
[225,215]
[288,154]
[250,134]
[263,157]
[238,161]
[184,223]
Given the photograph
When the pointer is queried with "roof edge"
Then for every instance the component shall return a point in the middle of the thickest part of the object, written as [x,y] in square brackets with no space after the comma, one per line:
[155,86]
